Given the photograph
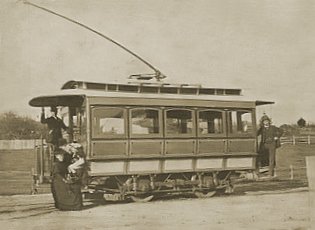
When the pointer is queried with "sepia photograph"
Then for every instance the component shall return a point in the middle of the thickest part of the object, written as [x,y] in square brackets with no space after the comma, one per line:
[156,114]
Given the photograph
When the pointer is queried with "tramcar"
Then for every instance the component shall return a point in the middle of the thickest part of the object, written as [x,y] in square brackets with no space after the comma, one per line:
[143,139]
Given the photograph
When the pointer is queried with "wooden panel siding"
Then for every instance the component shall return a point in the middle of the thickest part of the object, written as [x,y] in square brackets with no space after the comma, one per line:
[242,145]
[211,146]
[109,148]
[146,147]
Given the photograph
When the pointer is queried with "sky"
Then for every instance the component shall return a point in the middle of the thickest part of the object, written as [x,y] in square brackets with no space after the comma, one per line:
[266,48]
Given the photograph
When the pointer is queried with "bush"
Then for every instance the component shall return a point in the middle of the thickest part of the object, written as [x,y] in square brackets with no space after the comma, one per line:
[13,126]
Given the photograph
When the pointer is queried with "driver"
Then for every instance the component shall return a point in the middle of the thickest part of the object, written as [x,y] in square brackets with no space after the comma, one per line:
[55,125]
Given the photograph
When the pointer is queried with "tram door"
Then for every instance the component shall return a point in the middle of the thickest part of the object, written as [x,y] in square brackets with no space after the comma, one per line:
[74,118]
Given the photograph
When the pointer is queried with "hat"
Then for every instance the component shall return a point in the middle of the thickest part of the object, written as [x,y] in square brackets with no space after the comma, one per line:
[265,118]
[53,109]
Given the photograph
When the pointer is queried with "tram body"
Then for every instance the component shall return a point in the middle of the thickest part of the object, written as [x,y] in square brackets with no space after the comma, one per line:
[143,139]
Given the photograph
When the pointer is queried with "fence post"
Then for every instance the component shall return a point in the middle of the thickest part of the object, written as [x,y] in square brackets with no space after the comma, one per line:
[42,162]
[293,139]
[310,166]
[309,139]
[291,172]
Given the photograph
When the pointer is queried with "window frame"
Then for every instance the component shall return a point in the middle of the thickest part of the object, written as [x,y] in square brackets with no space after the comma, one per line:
[224,128]
[150,135]
[109,136]
[187,135]
[229,125]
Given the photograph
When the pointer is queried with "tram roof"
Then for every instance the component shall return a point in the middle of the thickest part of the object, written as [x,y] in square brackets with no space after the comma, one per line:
[75,97]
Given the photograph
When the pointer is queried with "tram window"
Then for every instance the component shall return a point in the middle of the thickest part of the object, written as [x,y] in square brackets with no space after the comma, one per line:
[82,120]
[241,122]
[179,121]
[70,116]
[145,121]
[74,112]
[65,119]
[75,121]
[210,122]
[108,122]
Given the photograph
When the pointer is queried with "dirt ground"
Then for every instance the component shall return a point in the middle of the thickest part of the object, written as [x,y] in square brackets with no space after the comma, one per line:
[283,209]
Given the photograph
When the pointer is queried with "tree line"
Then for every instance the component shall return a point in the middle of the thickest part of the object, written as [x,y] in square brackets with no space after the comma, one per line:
[13,126]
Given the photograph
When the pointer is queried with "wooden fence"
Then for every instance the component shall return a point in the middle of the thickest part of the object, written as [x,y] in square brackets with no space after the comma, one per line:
[305,139]
[19,144]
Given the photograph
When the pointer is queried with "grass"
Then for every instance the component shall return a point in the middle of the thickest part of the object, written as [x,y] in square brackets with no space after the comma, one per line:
[15,170]
[290,170]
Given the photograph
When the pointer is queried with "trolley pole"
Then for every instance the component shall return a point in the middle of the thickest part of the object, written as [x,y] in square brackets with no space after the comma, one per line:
[310,170]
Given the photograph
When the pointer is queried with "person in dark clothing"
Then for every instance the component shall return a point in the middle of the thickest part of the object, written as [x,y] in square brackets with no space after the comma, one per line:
[55,125]
[67,196]
[270,141]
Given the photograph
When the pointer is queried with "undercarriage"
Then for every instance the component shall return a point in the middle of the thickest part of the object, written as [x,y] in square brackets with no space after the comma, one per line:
[143,188]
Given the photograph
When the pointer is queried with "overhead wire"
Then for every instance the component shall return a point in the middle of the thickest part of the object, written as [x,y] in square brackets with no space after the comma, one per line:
[157,73]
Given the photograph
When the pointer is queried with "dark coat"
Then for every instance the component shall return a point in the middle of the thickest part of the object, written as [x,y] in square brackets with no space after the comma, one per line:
[268,135]
[66,196]
[55,124]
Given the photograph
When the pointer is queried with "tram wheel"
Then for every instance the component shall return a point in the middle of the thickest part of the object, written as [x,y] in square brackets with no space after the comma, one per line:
[205,194]
[141,199]
[225,190]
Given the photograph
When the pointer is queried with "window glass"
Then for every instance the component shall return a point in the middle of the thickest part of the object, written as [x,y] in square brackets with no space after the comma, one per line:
[64,114]
[108,122]
[83,117]
[241,122]
[179,122]
[70,115]
[144,121]
[75,121]
[210,122]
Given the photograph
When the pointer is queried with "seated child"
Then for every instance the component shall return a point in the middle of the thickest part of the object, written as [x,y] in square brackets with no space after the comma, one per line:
[76,168]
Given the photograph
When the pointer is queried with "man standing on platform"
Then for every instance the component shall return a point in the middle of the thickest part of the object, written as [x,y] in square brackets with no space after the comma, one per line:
[270,141]
[55,125]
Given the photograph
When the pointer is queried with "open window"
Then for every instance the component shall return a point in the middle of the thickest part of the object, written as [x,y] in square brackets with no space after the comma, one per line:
[145,122]
[108,122]
[179,122]
[210,122]
[73,118]
[240,123]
